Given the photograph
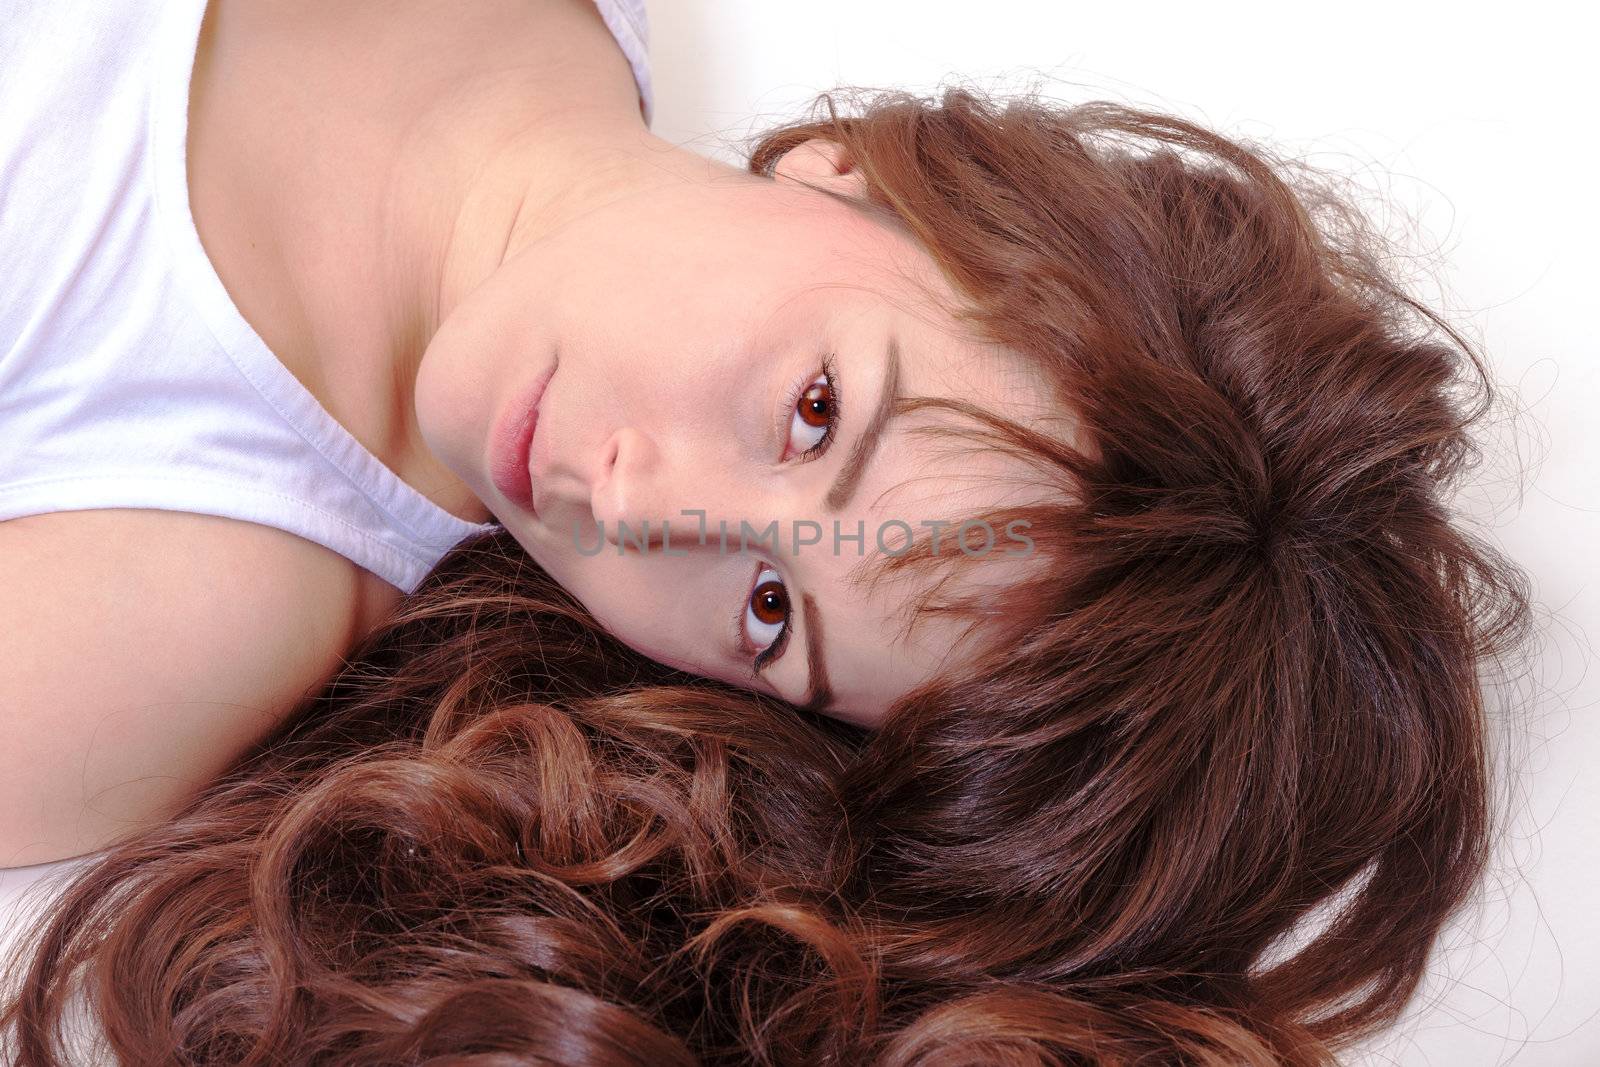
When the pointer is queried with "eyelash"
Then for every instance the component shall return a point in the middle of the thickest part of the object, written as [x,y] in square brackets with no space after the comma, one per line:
[786,410]
[766,655]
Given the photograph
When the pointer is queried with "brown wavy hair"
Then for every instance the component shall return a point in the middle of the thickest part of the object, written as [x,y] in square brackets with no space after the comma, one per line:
[1211,800]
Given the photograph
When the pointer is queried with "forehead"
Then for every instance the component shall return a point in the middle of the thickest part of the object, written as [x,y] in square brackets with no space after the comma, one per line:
[891,293]
[870,282]
[936,466]
[851,261]
[878,647]
[924,485]
[870,250]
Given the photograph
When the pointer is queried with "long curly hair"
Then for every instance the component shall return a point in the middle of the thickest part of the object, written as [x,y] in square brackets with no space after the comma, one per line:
[1211,800]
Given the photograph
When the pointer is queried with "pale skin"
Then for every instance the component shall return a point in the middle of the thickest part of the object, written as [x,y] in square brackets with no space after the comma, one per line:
[499,209]
[421,208]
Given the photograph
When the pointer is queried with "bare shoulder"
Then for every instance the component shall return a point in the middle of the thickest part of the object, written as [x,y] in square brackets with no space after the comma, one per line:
[144,650]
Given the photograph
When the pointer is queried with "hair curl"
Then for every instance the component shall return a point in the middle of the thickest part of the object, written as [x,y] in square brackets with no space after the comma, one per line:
[1244,695]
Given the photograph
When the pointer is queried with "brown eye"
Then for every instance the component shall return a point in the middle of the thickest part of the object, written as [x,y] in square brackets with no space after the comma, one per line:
[815,413]
[816,403]
[768,602]
[767,612]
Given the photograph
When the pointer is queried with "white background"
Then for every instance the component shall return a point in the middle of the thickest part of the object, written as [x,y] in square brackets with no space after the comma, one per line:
[1471,130]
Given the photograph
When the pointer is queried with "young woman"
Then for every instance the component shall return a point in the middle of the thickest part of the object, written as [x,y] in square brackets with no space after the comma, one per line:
[979,586]
[434,219]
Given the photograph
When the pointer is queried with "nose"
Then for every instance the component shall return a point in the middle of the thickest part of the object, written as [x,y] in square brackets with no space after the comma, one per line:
[629,488]
[626,464]
[639,482]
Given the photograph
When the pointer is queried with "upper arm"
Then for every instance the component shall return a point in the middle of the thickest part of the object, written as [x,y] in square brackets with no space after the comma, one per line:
[141,652]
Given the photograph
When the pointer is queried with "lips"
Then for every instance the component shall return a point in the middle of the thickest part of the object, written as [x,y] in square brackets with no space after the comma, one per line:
[513,438]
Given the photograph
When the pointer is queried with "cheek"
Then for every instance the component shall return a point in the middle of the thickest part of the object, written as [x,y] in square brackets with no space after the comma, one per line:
[659,610]
[706,396]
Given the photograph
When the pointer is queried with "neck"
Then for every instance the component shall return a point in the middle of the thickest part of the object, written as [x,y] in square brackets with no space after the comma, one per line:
[432,195]
[491,144]
[518,195]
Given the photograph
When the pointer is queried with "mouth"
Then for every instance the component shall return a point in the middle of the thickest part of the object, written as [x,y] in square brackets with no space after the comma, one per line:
[513,438]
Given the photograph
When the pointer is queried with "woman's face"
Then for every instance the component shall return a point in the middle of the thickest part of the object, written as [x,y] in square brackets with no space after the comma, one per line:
[719,353]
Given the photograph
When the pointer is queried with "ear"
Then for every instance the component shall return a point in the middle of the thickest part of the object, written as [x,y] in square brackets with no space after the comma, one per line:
[819,161]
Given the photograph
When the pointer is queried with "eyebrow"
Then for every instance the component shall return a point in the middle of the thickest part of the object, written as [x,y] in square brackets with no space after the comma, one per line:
[866,444]
[819,694]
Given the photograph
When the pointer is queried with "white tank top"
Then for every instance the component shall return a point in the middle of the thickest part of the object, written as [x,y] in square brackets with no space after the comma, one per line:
[128,378]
